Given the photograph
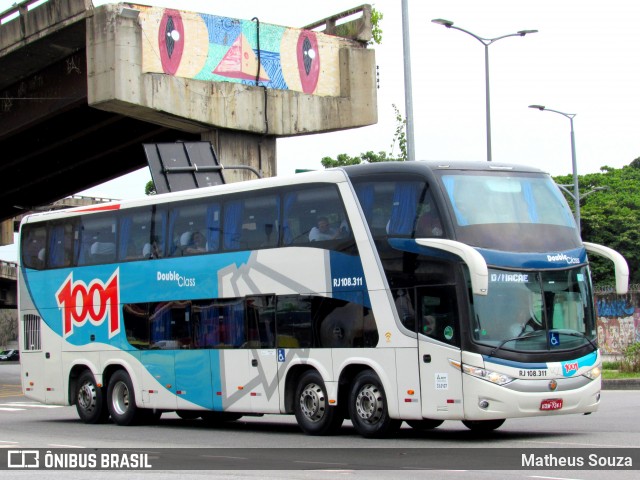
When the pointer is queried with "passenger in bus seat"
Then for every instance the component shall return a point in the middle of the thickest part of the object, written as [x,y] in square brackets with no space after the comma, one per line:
[198,244]
[103,249]
[151,250]
[323,231]
[182,243]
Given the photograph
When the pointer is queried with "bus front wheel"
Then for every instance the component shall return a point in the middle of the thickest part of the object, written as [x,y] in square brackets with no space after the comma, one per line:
[483,425]
[90,400]
[122,399]
[314,414]
[368,407]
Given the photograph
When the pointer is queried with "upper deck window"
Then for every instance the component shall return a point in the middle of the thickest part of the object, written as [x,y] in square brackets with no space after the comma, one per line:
[478,199]
[520,212]
[399,207]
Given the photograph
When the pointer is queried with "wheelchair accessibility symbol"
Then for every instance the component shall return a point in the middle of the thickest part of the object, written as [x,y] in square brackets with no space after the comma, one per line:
[281,356]
[554,339]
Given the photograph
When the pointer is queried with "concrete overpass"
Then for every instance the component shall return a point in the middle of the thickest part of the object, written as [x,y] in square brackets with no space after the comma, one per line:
[81,88]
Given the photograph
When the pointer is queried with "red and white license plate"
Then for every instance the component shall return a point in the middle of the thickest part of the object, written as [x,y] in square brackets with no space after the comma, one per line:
[551,404]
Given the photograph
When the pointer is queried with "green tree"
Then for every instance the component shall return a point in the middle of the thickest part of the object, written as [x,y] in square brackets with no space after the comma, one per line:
[611,217]
[150,188]
[376,31]
[399,139]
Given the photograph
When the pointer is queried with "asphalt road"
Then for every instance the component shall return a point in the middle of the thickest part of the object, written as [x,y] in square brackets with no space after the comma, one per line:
[250,442]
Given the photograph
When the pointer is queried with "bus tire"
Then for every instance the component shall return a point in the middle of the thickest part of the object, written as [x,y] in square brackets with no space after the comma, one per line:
[424,424]
[314,414]
[122,399]
[90,403]
[483,425]
[368,407]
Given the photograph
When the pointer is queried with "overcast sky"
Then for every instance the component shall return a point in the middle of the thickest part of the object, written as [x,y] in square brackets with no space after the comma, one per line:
[585,59]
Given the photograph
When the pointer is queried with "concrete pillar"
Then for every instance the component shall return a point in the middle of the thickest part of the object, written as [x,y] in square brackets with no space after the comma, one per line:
[243,148]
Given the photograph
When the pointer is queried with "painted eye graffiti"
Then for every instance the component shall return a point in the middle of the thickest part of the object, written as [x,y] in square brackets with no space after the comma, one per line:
[308,61]
[170,34]
[170,41]
[308,54]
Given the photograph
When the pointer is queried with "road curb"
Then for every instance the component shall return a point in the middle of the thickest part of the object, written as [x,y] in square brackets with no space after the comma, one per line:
[621,384]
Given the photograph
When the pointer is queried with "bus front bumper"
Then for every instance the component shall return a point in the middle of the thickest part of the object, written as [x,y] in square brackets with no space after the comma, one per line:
[484,400]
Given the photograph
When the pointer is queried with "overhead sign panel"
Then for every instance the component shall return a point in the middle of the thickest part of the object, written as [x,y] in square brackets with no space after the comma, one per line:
[183,165]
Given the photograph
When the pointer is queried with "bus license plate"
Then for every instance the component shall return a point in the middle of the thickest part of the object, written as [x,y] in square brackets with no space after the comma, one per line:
[551,404]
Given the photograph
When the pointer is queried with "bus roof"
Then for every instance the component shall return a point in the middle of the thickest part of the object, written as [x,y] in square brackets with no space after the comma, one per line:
[327,176]
[423,166]
[333,175]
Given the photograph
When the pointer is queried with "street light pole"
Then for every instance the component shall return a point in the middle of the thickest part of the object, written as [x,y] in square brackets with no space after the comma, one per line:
[408,89]
[576,190]
[486,42]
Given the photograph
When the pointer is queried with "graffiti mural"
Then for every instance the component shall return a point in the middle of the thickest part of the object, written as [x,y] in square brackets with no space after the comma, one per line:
[221,49]
[618,322]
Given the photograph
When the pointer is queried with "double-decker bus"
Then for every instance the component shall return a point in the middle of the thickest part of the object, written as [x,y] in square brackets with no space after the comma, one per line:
[380,293]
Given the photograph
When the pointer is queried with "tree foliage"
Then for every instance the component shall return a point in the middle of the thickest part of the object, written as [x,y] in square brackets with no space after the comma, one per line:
[611,217]
[399,139]
[376,31]
[150,188]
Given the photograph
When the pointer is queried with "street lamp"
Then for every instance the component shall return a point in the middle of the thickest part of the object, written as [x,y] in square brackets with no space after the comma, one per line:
[486,42]
[576,191]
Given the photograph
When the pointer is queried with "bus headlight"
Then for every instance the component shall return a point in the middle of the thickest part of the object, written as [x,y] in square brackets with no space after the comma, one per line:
[488,375]
[594,373]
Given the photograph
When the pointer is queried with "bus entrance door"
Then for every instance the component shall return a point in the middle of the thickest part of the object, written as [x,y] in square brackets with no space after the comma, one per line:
[440,381]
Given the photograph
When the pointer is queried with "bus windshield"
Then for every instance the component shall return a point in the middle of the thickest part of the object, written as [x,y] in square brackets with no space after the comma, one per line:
[557,313]
[526,210]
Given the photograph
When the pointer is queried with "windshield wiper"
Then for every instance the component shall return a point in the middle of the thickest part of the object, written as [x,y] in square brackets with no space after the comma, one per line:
[536,333]
[575,333]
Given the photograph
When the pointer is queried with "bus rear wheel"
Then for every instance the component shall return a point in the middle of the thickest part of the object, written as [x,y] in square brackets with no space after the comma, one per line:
[483,425]
[122,399]
[368,407]
[90,400]
[314,414]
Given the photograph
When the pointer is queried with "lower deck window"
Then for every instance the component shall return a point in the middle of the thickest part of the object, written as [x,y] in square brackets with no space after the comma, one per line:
[291,321]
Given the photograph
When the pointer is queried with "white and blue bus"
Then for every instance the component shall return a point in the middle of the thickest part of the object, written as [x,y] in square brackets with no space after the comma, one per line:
[379,293]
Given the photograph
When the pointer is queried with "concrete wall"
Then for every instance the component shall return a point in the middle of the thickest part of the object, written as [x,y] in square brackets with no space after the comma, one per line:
[197,73]
[618,321]
[212,87]
[8,328]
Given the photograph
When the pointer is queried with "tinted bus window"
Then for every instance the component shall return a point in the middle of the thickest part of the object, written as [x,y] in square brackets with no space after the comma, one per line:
[305,321]
[251,223]
[188,225]
[97,239]
[61,247]
[33,244]
[316,217]
[399,208]
[141,234]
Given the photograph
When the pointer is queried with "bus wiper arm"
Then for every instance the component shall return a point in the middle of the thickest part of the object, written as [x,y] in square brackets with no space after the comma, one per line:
[575,333]
[537,333]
